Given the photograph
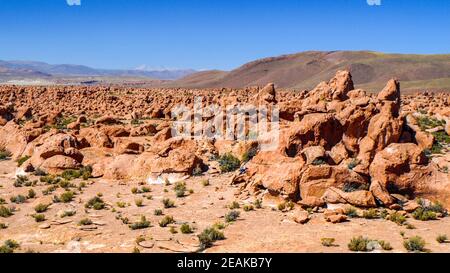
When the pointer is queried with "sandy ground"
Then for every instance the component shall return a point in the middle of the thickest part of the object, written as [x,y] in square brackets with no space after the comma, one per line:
[261,230]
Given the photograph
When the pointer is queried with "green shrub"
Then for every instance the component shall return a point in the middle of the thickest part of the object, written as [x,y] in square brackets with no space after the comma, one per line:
[318,162]
[442,238]
[351,212]
[424,214]
[158,212]
[3,226]
[68,213]
[95,203]
[31,194]
[358,244]
[180,189]
[327,241]
[229,163]
[2,201]
[232,216]
[5,212]
[219,225]
[258,203]
[209,236]
[370,214]
[22,160]
[121,204]
[67,197]
[85,222]
[205,182]
[40,208]
[21,180]
[248,208]
[186,229]
[415,244]
[234,205]
[4,154]
[397,218]
[40,172]
[167,220]
[39,217]
[168,203]
[173,230]
[18,199]
[9,246]
[385,245]
[143,223]
[139,202]
[249,154]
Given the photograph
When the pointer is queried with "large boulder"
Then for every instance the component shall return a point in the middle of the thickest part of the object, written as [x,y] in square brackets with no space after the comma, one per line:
[359,198]
[397,169]
[315,180]
[277,173]
[317,129]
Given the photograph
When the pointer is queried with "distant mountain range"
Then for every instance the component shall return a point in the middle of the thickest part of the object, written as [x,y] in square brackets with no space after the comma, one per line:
[19,70]
[370,70]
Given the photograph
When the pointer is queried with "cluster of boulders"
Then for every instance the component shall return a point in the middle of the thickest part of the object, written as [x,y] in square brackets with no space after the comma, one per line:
[337,143]
[345,146]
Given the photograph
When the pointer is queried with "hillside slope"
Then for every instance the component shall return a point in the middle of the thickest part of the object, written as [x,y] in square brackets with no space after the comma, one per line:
[303,70]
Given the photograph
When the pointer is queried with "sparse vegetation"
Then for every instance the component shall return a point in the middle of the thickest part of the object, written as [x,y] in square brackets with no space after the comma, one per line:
[205,182]
[40,208]
[168,203]
[158,212]
[22,160]
[4,154]
[258,203]
[415,244]
[234,205]
[351,212]
[248,208]
[21,181]
[68,213]
[229,163]
[209,236]
[424,214]
[139,202]
[442,238]
[18,199]
[5,212]
[141,224]
[31,194]
[186,228]
[327,241]
[167,220]
[85,222]
[358,244]
[180,189]
[39,217]
[397,218]
[249,154]
[370,214]
[66,197]
[232,216]
[95,203]
[9,246]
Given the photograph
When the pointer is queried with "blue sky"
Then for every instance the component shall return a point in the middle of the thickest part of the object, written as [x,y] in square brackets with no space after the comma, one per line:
[207,34]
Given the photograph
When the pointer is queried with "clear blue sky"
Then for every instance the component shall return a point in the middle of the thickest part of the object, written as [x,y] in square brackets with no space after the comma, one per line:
[206,34]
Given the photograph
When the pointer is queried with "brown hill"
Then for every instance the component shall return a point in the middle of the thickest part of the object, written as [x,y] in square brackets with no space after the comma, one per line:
[370,71]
